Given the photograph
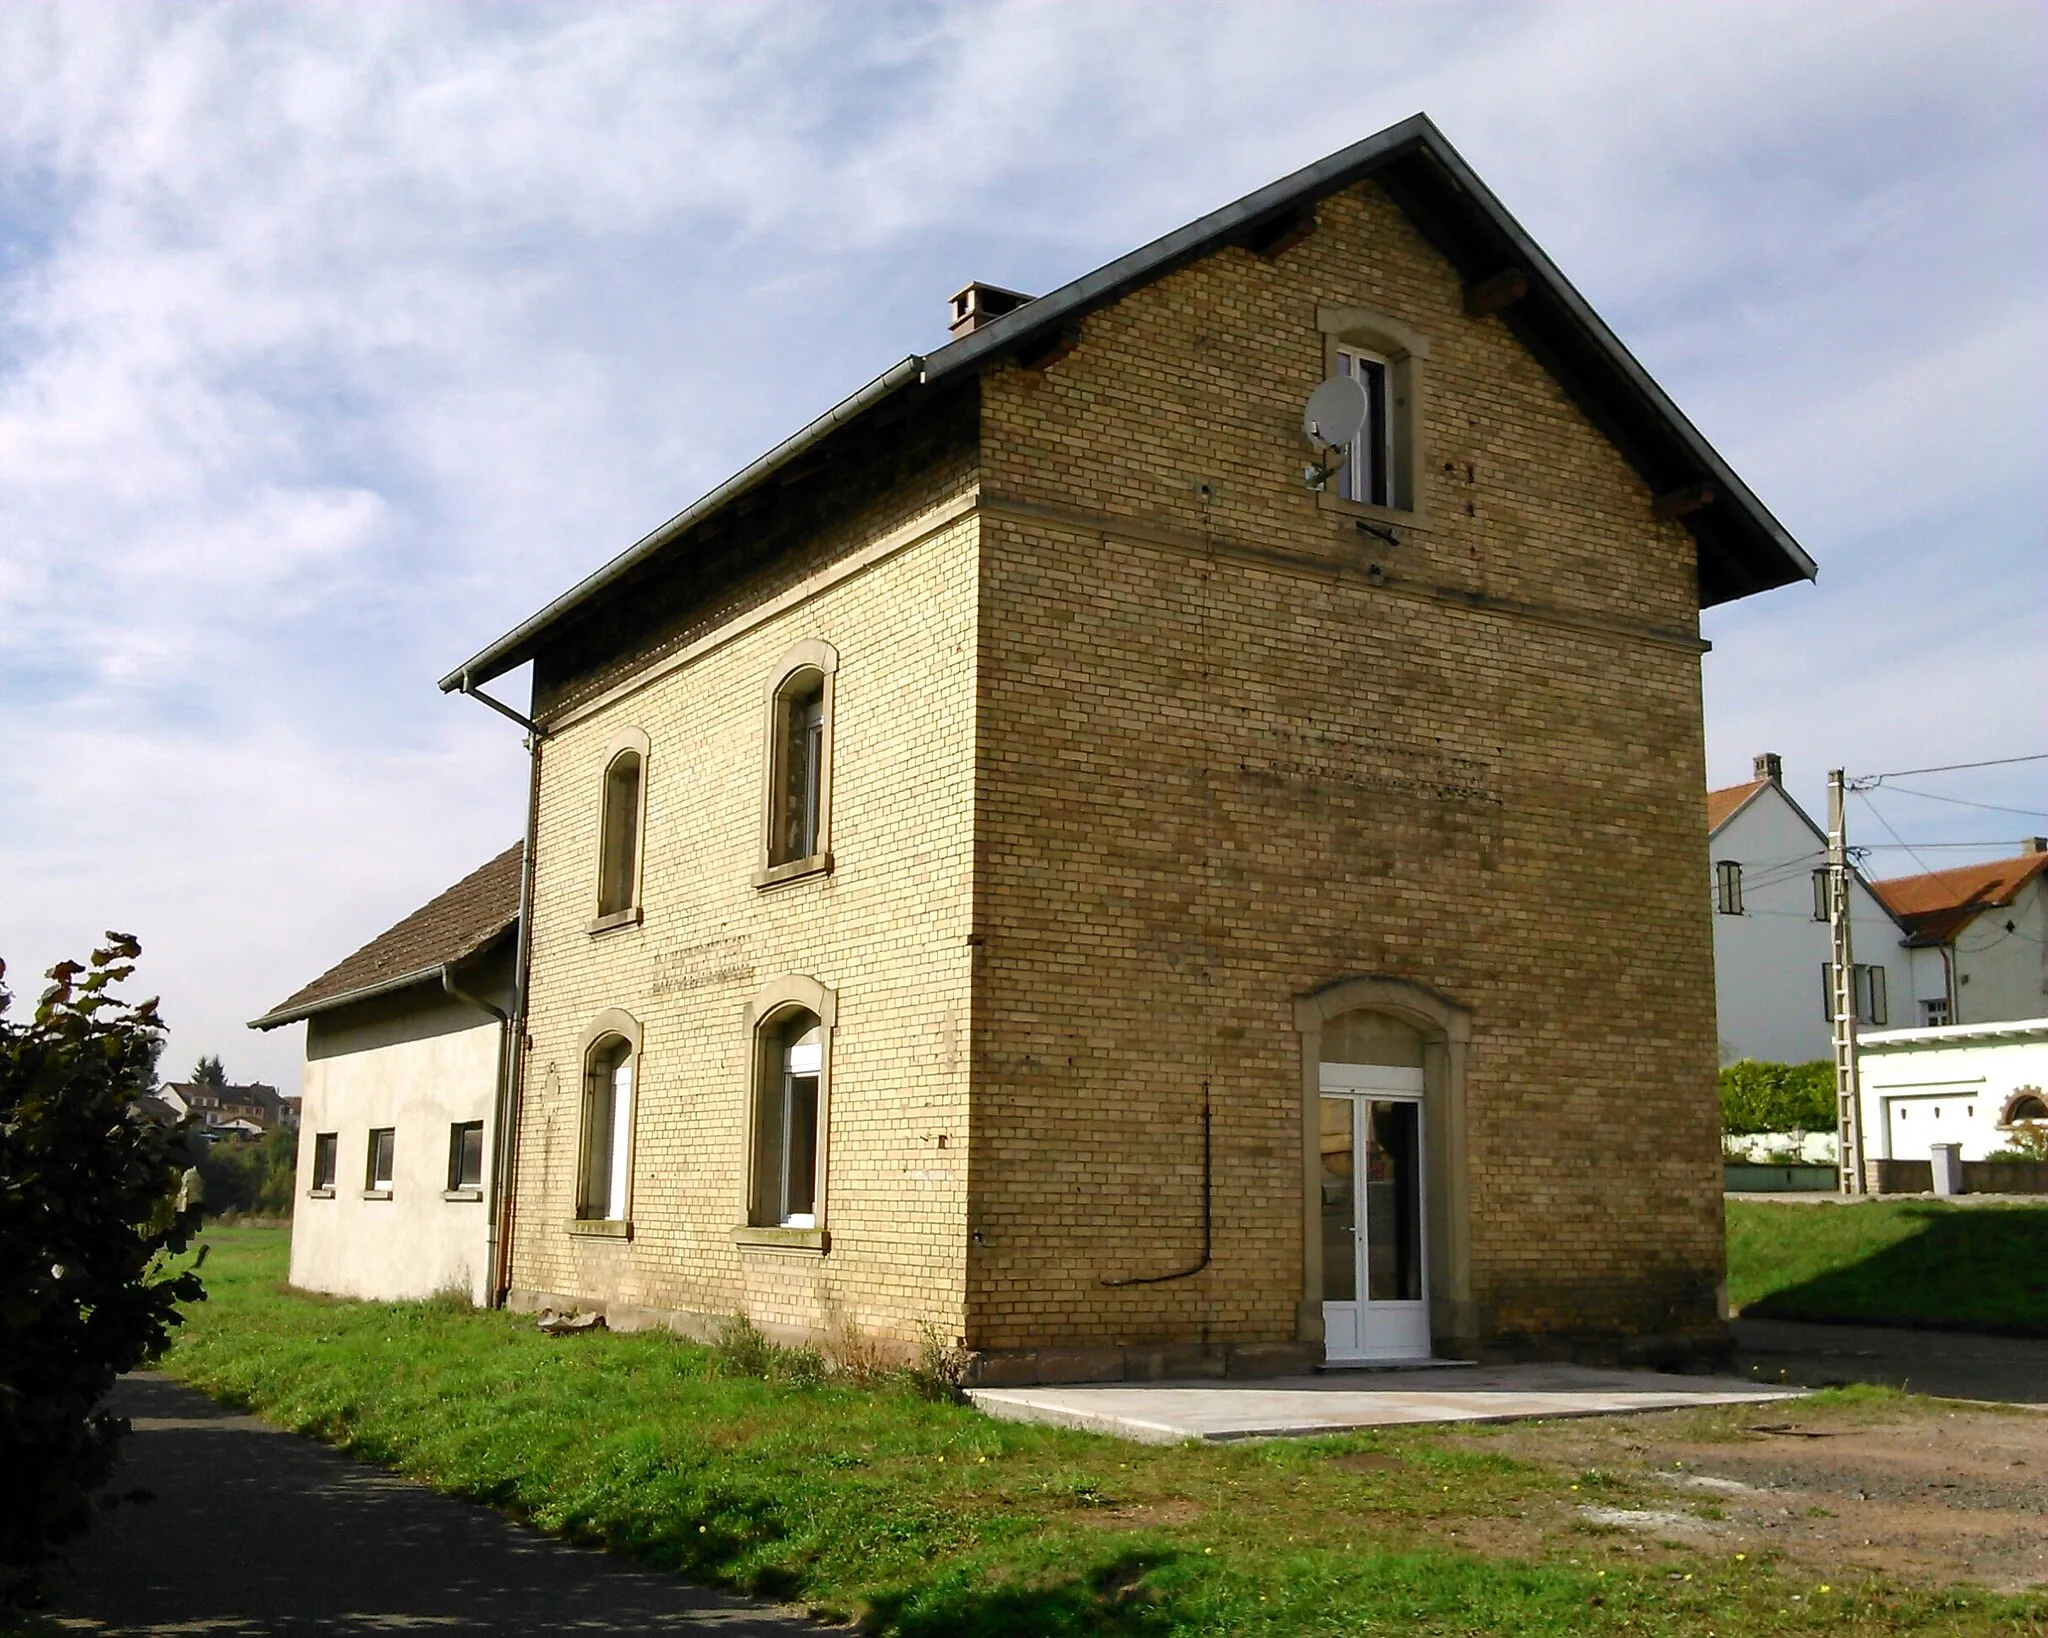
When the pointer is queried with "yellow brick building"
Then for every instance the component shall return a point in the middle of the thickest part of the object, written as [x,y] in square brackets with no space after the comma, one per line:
[1052,860]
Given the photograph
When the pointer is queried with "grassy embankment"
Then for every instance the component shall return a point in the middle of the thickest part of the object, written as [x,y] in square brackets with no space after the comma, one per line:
[923,1517]
[1917,1262]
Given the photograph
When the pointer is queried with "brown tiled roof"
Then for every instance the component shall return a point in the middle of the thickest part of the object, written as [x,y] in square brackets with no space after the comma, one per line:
[1935,907]
[457,923]
[1722,803]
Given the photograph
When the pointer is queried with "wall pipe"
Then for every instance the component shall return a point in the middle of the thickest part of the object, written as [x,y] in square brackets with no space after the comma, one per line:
[456,992]
[1208,1239]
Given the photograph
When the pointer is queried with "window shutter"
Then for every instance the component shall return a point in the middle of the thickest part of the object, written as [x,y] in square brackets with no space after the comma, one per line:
[1827,991]
[1879,1013]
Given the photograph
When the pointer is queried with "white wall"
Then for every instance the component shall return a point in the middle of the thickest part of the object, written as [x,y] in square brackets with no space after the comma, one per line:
[1767,961]
[2001,975]
[1925,1086]
[418,1063]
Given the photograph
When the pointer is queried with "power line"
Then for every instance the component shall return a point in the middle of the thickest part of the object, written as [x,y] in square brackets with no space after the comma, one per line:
[1864,796]
[1957,801]
[1953,767]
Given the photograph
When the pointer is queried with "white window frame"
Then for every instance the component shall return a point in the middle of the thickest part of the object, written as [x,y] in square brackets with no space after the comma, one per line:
[1356,479]
[1404,351]
[459,1187]
[764,1221]
[377,1184]
[609,1060]
[326,1156]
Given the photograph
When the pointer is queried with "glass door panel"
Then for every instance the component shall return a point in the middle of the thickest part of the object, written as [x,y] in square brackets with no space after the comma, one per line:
[1340,1202]
[1393,1201]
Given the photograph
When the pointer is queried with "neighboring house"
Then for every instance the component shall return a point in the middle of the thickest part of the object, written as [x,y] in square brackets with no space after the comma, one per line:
[1772,951]
[404,1058]
[249,1110]
[1017,864]
[156,1110]
[1962,1083]
[1983,929]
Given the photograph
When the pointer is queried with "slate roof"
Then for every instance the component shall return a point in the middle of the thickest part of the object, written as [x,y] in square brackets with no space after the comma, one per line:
[450,927]
[1741,548]
[1722,805]
[1933,908]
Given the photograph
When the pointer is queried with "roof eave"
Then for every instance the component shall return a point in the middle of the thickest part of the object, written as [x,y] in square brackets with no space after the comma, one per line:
[279,1016]
[517,646]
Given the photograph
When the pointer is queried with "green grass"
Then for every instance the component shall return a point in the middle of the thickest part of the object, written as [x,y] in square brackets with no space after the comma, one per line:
[924,1518]
[1917,1261]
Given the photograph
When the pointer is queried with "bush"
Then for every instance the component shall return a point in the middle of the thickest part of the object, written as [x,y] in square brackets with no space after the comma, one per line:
[89,1208]
[1764,1097]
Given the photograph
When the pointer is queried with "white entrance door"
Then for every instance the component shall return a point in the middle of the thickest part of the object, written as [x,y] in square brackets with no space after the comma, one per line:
[1375,1292]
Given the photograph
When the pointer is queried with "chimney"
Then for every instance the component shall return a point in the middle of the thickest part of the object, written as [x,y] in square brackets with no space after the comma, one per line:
[2035,844]
[1770,766]
[979,304]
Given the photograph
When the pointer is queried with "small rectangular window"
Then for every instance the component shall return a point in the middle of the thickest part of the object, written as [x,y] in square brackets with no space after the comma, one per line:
[1820,895]
[1728,887]
[324,1146]
[1370,458]
[1869,984]
[377,1171]
[1934,1014]
[466,1155]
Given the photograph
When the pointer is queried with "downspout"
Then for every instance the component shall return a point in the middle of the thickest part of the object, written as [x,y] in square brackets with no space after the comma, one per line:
[456,992]
[512,1078]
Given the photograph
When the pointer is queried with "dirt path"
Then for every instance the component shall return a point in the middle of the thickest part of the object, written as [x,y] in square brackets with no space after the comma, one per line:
[254,1531]
[1931,1493]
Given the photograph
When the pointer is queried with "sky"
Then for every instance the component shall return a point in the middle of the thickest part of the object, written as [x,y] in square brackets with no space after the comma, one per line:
[334,341]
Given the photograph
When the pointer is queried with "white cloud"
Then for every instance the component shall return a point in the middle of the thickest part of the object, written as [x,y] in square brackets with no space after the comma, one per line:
[335,340]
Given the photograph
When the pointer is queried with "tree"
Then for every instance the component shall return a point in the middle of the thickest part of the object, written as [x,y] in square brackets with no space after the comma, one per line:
[90,1209]
[210,1072]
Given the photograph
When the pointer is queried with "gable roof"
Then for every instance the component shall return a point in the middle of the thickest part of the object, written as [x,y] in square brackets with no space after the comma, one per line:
[449,927]
[1725,803]
[1936,906]
[1742,549]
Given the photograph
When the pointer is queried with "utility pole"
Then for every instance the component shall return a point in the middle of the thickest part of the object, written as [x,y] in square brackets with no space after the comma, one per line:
[1842,996]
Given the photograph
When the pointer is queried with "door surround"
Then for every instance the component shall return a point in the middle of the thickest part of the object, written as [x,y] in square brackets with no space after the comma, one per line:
[1446,1030]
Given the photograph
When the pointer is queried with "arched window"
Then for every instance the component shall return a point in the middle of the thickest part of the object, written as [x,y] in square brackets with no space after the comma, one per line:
[2025,1104]
[621,823]
[800,766]
[797,812]
[787,1101]
[605,1185]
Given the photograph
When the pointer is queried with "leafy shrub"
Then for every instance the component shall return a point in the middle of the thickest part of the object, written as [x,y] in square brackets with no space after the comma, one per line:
[2024,1140]
[1766,1097]
[89,1208]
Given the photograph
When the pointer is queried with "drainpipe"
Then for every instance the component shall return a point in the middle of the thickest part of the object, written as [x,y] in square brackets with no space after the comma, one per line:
[456,992]
[512,1076]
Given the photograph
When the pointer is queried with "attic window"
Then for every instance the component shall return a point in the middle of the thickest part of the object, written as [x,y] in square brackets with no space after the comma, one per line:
[796,829]
[1370,460]
[1382,472]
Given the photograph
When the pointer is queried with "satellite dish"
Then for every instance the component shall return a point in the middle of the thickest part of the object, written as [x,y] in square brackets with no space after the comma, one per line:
[1336,412]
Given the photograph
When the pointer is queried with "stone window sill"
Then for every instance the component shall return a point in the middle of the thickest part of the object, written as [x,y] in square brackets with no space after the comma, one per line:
[376,1194]
[793,1242]
[462,1194]
[617,919]
[602,1228]
[791,870]
[319,1194]
[1393,517]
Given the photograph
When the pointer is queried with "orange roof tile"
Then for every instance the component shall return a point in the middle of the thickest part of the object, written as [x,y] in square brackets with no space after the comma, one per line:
[1722,803]
[1936,906]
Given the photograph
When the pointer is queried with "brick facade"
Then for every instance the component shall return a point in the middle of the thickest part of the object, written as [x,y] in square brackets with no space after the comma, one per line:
[1136,744]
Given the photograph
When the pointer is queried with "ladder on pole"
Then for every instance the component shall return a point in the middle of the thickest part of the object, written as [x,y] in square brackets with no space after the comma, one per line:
[1853,1178]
